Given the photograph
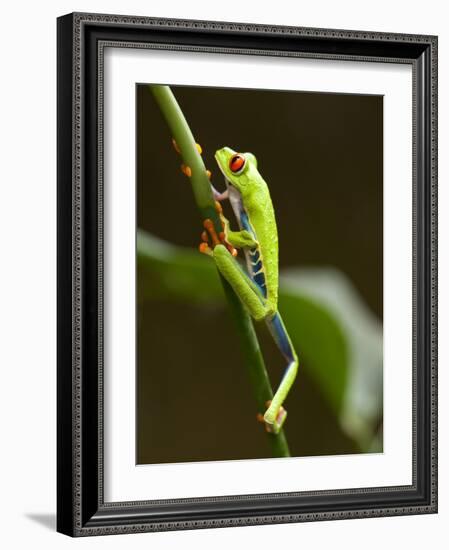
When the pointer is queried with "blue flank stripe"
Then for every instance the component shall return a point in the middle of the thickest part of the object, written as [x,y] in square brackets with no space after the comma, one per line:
[257,266]
[259,279]
[281,337]
[254,255]
[245,221]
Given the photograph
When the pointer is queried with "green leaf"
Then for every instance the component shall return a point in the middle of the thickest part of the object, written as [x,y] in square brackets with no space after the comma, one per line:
[361,398]
[175,273]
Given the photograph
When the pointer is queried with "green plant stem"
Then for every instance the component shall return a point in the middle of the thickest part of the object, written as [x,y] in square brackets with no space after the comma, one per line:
[255,364]
[205,201]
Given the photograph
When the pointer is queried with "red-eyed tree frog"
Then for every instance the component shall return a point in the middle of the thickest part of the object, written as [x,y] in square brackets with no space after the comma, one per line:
[257,286]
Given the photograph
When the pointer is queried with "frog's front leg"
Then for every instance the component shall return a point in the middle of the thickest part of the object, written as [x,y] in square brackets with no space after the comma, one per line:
[231,239]
[238,239]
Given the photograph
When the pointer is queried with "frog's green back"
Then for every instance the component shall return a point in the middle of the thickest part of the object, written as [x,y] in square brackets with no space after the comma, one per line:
[262,219]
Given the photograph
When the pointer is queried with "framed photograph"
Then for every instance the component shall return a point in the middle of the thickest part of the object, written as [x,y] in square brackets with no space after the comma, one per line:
[247,280]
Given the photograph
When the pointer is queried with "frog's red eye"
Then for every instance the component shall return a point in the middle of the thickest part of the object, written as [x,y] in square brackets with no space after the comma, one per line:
[236,163]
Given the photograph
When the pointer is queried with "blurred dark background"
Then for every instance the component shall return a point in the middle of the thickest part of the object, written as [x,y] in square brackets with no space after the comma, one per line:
[321,155]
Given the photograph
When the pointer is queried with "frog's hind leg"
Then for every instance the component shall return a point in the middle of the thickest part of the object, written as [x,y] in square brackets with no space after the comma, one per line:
[251,296]
[242,284]
[275,415]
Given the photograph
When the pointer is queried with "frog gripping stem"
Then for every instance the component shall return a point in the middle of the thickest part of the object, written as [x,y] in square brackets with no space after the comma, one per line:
[275,426]
[210,233]
[256,286]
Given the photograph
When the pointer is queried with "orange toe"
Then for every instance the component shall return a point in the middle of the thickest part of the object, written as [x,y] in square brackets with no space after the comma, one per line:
[204,248]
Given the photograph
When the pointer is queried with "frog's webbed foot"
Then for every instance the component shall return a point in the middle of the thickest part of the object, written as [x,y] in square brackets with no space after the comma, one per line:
[275,426]
[210,238]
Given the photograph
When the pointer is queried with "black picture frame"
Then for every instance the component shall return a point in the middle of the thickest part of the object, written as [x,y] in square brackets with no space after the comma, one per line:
[81,509]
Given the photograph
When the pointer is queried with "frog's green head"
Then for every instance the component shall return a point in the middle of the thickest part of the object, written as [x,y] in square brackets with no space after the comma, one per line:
[239,169]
